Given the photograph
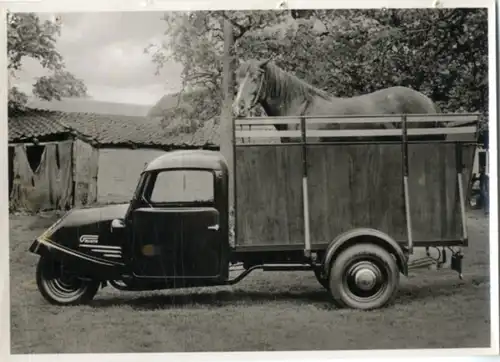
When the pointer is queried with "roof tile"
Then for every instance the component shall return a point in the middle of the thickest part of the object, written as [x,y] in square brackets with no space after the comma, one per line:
[26,125]
[108,130]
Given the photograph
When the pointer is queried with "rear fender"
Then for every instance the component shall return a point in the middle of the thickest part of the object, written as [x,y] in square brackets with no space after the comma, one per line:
[84,265]
[356,236]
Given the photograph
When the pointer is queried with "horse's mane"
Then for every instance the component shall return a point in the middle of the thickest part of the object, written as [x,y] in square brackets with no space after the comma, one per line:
[286,86]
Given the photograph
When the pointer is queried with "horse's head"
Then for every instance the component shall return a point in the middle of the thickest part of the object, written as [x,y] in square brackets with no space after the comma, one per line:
[250,80]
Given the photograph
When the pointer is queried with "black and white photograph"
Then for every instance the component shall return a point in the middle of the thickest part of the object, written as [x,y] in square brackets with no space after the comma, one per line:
[251,180]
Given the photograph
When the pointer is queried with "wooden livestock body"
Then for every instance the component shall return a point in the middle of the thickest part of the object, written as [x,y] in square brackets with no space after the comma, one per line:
[304,193]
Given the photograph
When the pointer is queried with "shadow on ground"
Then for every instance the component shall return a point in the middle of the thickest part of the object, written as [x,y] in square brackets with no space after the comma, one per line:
[319,298]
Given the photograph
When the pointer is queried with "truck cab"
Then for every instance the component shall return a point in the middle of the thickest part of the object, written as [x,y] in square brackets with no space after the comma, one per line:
[176,227]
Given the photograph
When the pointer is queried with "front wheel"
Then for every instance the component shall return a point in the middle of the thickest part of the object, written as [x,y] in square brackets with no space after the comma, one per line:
[60,287]
[364,276]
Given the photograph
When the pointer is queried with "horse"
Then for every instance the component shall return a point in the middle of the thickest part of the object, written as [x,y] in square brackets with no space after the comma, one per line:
[283,94]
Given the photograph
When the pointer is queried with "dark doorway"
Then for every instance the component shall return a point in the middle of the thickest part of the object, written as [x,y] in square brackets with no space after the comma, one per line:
[34,154]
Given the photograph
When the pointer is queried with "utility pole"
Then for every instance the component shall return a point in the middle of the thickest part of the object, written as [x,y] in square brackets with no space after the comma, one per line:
[226,121]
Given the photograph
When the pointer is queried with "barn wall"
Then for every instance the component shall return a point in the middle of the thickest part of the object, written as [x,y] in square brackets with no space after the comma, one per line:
[119,171]
[45,186]
[349,186]
[86,161]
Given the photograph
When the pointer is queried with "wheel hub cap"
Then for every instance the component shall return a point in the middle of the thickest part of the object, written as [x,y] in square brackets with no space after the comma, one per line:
[365,279]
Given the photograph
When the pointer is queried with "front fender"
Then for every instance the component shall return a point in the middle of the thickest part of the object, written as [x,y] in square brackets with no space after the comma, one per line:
[84,265]
[375,236]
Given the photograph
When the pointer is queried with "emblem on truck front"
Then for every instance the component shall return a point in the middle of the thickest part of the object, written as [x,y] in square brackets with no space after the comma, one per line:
[89,239]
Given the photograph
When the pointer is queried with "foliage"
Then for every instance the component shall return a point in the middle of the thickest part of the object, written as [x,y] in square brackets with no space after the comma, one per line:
[60,84]
[28,36]
[196,40]
[440,52]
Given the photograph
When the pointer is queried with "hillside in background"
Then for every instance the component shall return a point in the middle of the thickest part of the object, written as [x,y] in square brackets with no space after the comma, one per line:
[91,106]
[170,101]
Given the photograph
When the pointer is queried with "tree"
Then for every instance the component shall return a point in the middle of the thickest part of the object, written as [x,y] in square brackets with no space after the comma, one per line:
[27,36]
[440,52]
[196,40]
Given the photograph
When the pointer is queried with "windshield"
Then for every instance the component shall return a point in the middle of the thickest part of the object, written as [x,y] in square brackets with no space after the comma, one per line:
[181,186]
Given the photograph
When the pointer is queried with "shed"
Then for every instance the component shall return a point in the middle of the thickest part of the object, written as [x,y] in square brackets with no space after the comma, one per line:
[126,143]
[51,166]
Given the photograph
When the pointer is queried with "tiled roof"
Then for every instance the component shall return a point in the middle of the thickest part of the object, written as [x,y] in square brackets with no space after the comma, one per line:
[28,125]
[141,131]
[108,130]
[112,130]
[206,135]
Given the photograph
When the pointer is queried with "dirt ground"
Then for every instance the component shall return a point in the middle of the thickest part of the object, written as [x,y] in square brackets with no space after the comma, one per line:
[265,312]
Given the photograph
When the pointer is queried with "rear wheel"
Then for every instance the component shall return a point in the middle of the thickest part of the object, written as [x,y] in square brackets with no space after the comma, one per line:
[364,276]
[60,287]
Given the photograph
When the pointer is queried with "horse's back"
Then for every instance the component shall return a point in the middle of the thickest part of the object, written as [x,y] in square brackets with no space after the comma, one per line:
[410,100]
[392,100]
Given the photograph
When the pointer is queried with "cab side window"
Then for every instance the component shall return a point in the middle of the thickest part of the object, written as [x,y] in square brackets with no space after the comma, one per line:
[183,186]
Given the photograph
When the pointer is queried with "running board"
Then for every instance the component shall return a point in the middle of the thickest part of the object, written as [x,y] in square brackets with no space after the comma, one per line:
[268,268]
[422,263]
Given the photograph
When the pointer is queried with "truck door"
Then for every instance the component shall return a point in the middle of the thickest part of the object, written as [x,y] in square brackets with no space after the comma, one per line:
[177,232]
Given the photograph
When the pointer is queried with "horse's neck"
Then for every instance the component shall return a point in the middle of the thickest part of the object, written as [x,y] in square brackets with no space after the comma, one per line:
[275,107]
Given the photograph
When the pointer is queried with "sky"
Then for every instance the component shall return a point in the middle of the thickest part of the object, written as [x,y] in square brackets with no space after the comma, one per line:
[106,51]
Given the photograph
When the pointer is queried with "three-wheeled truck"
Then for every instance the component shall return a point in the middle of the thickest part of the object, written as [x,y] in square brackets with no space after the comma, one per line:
[351,210]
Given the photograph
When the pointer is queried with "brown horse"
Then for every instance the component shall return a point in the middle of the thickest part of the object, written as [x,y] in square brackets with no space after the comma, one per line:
[283,94]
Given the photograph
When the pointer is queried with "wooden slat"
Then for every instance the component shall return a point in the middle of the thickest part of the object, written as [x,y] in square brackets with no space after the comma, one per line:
[389,120]
[354,119]
[257,128]
[443,118]
[266,134]
[434,204]
[266,121]
[457,130]
[269,195]
[354,186]
[353,133]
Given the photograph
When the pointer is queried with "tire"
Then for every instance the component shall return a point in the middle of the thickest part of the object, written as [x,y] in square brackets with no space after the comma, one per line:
[321,279]
[59,288]
[380,270]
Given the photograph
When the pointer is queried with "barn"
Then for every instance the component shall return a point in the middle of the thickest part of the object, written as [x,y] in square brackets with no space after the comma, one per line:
[127,143]
[58,160]
[51,166]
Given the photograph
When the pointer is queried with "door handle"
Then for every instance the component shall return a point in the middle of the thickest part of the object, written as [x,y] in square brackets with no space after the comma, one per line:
[214,227]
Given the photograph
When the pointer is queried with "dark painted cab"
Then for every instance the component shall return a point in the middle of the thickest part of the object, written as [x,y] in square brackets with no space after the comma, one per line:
[177,223]
[174,230]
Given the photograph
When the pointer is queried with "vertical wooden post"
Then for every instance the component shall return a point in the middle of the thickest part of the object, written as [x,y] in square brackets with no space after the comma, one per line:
[305,190]
[226,121]
[406,189]
[73,172]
